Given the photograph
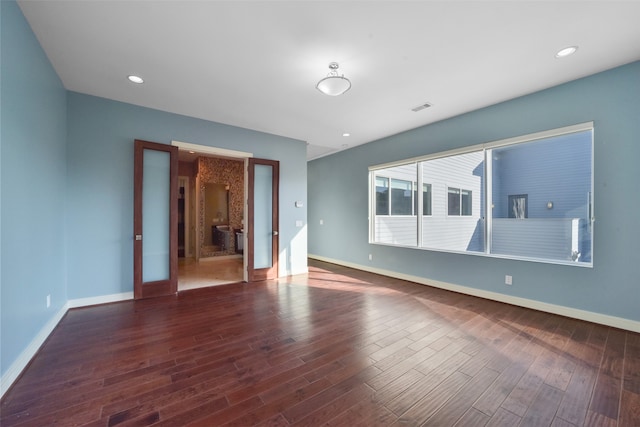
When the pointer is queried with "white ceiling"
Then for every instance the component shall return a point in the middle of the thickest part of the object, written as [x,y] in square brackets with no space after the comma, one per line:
[255,64]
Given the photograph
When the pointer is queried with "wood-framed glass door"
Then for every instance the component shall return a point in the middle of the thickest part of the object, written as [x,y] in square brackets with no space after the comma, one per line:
[262,206]
[155,220]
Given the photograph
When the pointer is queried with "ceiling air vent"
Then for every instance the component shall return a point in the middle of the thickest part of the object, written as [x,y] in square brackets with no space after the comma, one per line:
[420,107]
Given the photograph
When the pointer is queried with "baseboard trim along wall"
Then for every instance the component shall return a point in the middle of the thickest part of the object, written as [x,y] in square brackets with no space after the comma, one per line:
[27,354]
[589,316]
[30,351]
[104,299]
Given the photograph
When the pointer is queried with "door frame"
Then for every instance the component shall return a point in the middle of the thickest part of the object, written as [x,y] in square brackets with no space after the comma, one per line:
[168,286]
[187,214]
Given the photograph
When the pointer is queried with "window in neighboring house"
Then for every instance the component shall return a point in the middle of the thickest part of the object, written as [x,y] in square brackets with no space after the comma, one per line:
[401,197]
[453,198]
[518,206]
[459,202]
[382,195]
[426,199]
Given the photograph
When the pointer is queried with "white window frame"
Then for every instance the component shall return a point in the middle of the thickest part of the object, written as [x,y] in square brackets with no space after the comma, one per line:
[484,147]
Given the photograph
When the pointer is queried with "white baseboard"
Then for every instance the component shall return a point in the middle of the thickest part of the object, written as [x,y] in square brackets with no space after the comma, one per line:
[295,272]
[104,299]
[28,353]
[589,316]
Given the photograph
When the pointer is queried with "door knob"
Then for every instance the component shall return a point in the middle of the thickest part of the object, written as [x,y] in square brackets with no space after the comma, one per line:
[275,233]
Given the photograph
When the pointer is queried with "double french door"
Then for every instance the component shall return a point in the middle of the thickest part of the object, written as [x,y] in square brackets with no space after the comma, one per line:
[155,248]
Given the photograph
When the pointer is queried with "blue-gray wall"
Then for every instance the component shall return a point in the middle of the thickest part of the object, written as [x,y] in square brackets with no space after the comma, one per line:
[33,133]
[337,193]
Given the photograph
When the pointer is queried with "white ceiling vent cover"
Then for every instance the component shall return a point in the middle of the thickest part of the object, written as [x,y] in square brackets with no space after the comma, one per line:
[421,107]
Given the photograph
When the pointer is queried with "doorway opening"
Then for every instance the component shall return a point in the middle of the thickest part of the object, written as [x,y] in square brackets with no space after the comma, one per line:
[211,199]
[155,261]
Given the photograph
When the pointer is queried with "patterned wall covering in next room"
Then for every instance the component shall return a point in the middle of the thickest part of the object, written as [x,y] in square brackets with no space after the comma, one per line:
[227,172]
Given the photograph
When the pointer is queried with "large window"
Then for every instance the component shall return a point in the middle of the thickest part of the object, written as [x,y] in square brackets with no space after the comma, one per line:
[527,198]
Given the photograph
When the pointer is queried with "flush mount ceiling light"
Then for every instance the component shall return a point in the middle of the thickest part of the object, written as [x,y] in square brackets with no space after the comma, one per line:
[135,79]
[566,51]
[334,84]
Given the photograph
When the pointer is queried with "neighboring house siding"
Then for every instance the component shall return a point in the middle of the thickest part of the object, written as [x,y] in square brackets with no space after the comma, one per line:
[562,178]
[440,230]
[458,233]
[558,171]
[547,238]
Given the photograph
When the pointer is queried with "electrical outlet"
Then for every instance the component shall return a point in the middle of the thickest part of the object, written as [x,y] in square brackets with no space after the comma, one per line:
[48,301]
[370,257]
[508,280]
[321,222]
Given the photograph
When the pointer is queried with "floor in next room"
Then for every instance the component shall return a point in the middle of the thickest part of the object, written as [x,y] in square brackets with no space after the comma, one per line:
[208,271]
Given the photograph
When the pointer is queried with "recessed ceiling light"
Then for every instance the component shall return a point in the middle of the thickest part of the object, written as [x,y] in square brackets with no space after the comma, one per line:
[346,134]
[566,51]
[135,79]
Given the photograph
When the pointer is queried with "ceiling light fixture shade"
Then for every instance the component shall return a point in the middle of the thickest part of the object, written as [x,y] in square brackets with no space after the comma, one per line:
[566,51]
[334,84]
[135,79]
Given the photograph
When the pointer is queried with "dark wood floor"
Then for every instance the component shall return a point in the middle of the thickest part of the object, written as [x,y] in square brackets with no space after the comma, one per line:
[337,347]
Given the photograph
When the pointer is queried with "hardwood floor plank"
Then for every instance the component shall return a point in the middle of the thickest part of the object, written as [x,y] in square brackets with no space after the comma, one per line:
[606,396]
[607,390]
[405,400]
[228,414]
[389,375]
[338,406]
[397,386]
[575,401]
[629,409]
[598,420]
[559,422]
[365,413]
[526,390]
[504,418]
[277,406]
[472,418]
[301,410]
[543,409]
[631,375]
[423,409]
[179,415]
[453,410]
[496,393]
